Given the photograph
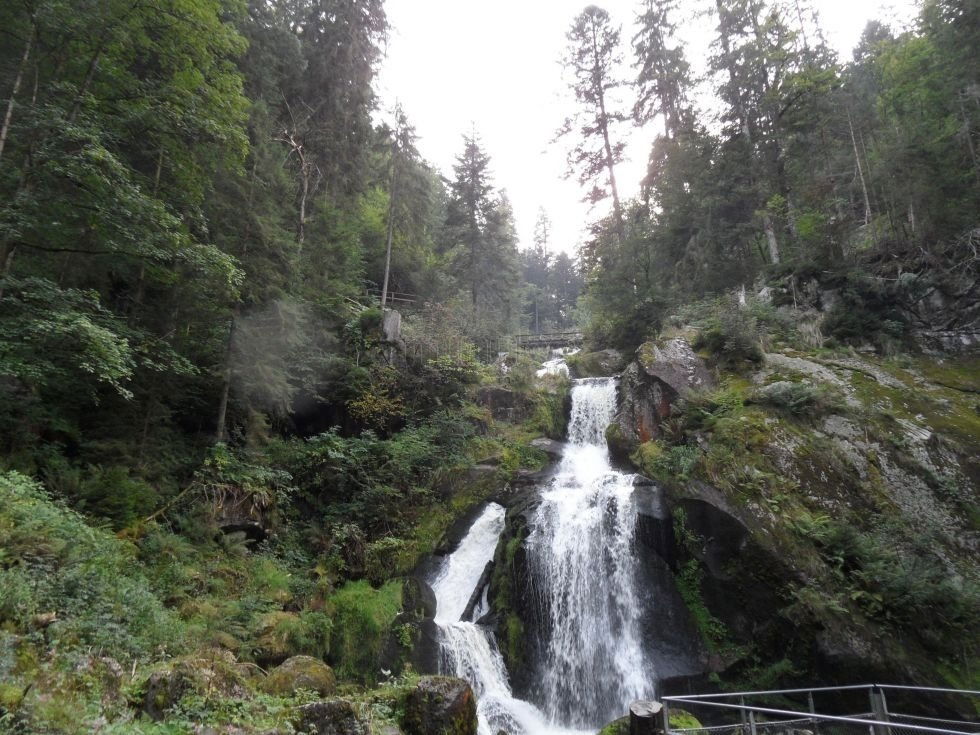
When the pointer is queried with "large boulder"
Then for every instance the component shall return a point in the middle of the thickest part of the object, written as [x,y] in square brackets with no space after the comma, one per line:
[661,374]
[599,364]
[330,717]
[300,672]
[440,705]
[214,672]
[554,449]
[674,363]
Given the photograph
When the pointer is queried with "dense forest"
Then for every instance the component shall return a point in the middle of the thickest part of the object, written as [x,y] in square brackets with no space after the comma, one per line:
[253,344]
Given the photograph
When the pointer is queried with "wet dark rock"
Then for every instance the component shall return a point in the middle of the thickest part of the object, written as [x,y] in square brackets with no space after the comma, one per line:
[654,523]
[554,449]
[515,617]
[330,717]
[418,598]
[530,477]
[440,705]
[413,637]
[477,595]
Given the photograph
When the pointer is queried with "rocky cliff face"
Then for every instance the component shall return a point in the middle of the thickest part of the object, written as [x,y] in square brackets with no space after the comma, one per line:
[661,374]
[825,509]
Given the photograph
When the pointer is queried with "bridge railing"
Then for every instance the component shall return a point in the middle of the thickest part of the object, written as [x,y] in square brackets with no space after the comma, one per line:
[546,339]
[865,709]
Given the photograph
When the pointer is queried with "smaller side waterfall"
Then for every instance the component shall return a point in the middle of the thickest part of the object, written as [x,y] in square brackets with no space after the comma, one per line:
[467,650]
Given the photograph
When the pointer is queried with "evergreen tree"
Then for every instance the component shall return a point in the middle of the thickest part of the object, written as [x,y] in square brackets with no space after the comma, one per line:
[663,74]
[591,60]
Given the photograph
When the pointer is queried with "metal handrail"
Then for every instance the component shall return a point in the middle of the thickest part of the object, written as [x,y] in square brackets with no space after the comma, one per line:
[848,687]
[696,697]
[818,716]
[973,692]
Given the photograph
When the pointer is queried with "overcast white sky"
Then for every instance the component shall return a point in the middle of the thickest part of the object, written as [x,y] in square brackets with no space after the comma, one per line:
[495,64]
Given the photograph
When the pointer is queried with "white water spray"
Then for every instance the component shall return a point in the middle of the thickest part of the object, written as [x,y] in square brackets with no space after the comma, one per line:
[584,566]
[467,650]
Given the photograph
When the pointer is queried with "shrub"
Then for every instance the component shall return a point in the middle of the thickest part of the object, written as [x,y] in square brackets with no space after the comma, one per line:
[52,561]
[797,398]
[731,334]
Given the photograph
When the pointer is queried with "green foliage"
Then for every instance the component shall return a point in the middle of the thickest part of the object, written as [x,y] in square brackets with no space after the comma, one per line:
[798,399]
[731,335]
[671,464]
[362,617]
[51,561]
[896,577]
[689,578]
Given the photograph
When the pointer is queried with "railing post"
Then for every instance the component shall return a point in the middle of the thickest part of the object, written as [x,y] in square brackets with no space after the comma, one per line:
[879,711]
[813,710]
[752,730]
[741,714]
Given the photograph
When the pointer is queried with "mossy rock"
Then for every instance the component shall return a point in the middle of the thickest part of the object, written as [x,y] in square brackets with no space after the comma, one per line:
[215,673]
[273,642]
[600,364]
[681,719]
[620,447]
[300,672]
[11,695]
[440,705]
[330,717]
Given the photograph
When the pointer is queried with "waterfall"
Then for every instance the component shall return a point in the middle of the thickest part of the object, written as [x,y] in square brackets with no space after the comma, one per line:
[467,650]
[584,567]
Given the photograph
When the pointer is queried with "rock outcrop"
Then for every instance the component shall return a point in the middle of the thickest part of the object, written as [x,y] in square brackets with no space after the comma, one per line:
[330,717]
[300,672]
[662,374]
[217,673]
[440,705]
[599,364]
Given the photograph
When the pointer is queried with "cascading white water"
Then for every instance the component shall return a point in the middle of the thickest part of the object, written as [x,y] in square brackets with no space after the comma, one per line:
[467,650]
[584,567]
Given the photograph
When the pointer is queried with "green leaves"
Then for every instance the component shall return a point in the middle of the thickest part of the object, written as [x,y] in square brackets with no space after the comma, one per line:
[50,335]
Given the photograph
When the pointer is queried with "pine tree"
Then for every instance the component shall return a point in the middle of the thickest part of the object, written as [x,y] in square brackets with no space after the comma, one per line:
[663,74]
[591,60]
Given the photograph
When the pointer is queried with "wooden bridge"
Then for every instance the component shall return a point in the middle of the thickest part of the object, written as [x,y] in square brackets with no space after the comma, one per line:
[548,340]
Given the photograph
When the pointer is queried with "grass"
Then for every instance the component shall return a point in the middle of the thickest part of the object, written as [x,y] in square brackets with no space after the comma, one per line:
[362,617]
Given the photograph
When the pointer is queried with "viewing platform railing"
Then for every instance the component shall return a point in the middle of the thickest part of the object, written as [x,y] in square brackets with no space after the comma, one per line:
[864,709]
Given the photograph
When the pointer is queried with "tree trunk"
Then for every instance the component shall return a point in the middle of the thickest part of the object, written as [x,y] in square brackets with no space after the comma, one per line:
[4,131]
[604,125]
[860,168]
[771,238]
[646,718]
[391,221]
[220,433]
